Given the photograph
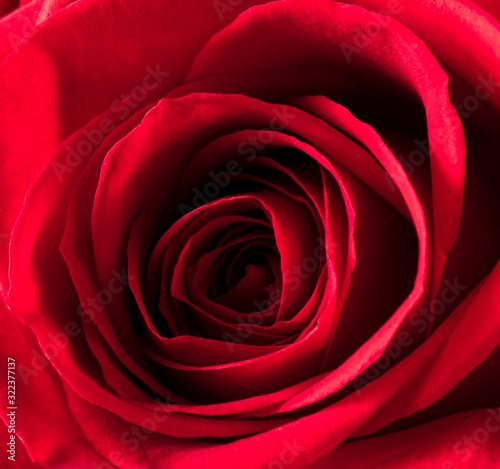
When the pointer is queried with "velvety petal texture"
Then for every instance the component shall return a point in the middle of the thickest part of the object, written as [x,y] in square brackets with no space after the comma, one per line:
[260,234]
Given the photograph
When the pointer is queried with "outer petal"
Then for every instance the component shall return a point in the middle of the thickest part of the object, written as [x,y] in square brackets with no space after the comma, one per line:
[470,439]
[43,419]
[44,103]
[18,26]
[472,45]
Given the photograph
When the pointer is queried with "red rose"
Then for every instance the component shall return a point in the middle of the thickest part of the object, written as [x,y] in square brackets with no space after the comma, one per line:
[239,233]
